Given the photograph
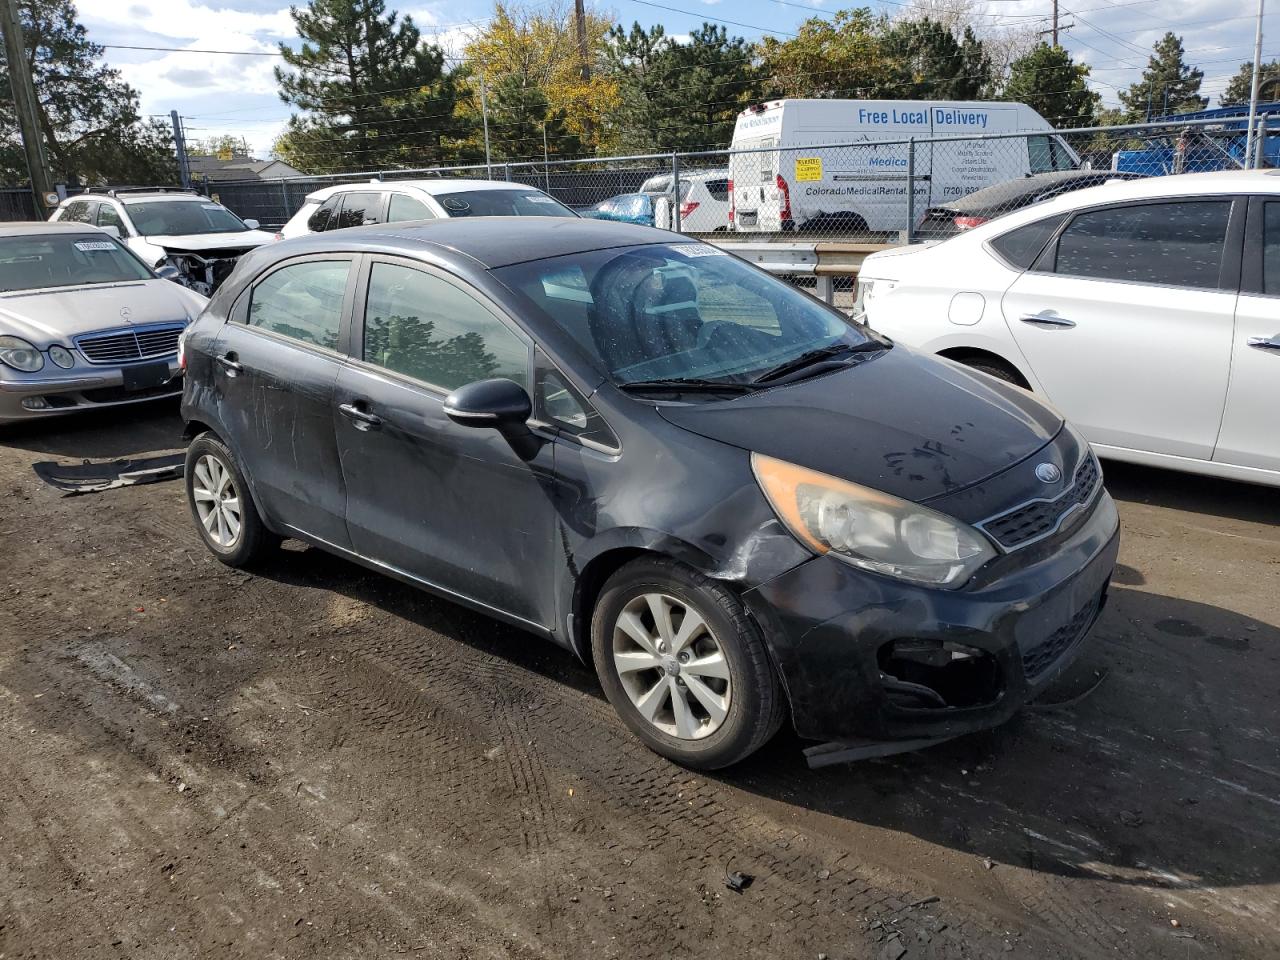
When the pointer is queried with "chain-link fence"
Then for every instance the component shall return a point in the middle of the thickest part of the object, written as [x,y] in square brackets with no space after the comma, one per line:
[876,190]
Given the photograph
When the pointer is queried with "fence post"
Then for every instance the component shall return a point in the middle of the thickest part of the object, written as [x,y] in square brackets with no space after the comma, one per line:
[908,235]
[284,200]
[675,186]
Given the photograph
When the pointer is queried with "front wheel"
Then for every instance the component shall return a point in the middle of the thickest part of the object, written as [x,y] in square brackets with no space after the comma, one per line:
[684,665]
[221,504]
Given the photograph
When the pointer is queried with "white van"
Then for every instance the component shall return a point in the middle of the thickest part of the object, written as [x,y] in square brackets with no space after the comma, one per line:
[785,175]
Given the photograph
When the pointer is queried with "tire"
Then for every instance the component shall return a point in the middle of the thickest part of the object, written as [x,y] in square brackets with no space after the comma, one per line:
[235,535]
[1000,371]
[732,700]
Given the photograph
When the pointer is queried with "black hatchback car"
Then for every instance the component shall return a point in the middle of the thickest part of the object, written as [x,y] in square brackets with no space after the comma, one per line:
[736,503]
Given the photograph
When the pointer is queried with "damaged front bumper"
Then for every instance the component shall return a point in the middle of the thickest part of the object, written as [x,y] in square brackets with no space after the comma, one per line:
[881,666]
[203,272]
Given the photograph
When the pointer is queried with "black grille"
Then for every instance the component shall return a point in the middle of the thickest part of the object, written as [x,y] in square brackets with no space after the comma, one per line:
[1033,520]
[126,346]
[1040,658]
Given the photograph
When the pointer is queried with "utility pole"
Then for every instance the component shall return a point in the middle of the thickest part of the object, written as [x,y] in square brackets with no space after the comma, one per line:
[1253,90]
[1055,22]
[484,115]
[180,148]
[580,22]
[25,106]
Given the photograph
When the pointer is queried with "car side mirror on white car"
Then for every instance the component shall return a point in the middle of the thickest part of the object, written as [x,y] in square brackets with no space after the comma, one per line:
[252,224]
[113,230]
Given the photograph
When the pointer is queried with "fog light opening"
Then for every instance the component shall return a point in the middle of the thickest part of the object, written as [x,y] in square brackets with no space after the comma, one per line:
[937,674]
[35,403]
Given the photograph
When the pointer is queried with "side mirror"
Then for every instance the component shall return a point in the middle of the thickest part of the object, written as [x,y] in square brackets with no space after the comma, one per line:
[252,224]
[113,230]
[498,403]
[169,272]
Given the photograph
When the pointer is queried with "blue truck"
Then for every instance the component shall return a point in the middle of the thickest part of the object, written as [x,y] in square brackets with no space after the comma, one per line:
[1205,146]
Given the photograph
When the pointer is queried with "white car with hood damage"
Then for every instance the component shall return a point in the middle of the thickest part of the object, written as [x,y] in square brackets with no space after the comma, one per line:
[84,323]
[200,238]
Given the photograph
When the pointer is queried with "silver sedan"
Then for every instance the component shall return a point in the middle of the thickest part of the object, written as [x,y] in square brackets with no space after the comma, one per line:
[83,322]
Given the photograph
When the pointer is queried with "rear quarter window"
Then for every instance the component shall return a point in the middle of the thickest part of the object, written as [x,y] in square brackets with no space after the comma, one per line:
[1020,247]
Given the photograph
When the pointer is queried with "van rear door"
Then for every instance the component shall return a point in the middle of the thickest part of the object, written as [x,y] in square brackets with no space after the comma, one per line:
[752,168]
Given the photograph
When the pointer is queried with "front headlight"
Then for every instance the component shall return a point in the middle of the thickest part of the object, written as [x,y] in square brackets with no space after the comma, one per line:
[870,529]
[17,353]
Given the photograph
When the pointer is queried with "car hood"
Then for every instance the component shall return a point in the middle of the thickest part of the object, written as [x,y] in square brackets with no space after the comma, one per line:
[54,315]
[237,239]
[908,424]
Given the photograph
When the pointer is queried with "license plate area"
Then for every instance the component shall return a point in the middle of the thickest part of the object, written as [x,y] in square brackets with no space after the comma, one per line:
[145,376]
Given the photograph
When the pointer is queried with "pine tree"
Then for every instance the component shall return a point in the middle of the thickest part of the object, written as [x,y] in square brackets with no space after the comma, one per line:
[1168,84]
[934,64]
[1240,89]
[1053,85]
[89,117]
[374,94]
[519,116]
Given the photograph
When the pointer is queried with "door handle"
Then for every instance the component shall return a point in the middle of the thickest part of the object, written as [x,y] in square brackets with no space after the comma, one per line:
[231,365]
[1046,320]
[360,419]
[1266,343]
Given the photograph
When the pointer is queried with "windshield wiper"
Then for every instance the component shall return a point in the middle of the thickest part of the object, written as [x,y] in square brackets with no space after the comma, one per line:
[814,357]
[691,384]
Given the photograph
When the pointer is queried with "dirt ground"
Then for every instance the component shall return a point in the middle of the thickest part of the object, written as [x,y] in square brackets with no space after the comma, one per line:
[314,761]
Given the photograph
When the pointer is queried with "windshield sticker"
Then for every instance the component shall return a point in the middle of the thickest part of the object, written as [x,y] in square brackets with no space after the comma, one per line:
[209,206]
[455,203]
[699,250]
[539,198]
[88,246]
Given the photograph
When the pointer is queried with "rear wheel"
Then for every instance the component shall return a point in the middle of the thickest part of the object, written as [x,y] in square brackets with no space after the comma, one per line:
[220,502]
[684,665]
[994,368]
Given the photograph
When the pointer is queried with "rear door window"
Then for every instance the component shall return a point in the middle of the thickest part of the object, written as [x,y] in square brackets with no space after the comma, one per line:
[358,209]
[1271,249]
[425,327]
[404,207]
[80,211]
[719,189]
[1176,244]
[302,301]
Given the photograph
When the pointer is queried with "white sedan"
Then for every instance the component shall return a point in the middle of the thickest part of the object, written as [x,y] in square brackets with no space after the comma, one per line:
[393,201]
[1147,311]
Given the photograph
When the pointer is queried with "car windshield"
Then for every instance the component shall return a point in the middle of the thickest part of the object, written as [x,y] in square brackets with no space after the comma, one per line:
[38,262]
[503,203]
[172,218]
[679,312]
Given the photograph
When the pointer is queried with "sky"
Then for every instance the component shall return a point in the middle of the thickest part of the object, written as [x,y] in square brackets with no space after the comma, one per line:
[236,94]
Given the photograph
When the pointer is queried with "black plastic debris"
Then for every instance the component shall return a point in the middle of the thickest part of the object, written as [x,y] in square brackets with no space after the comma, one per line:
[737,881]
[90,477]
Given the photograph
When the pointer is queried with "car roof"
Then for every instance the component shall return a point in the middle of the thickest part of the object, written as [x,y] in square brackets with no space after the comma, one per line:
[436,187]
[32,228]
[490,241]
[161,195]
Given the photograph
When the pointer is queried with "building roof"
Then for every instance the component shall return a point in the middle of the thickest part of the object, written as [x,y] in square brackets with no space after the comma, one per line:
[239,168]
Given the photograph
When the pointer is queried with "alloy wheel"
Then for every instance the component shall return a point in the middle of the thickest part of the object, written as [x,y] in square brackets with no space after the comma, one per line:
[217,501]
[671,666]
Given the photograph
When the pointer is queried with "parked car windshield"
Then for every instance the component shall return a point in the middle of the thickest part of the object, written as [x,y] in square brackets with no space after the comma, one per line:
[681,311]
[169,218]
[37,262]
[503,203]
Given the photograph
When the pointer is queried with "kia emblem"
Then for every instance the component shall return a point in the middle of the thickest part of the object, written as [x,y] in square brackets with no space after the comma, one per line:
[1048,473]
